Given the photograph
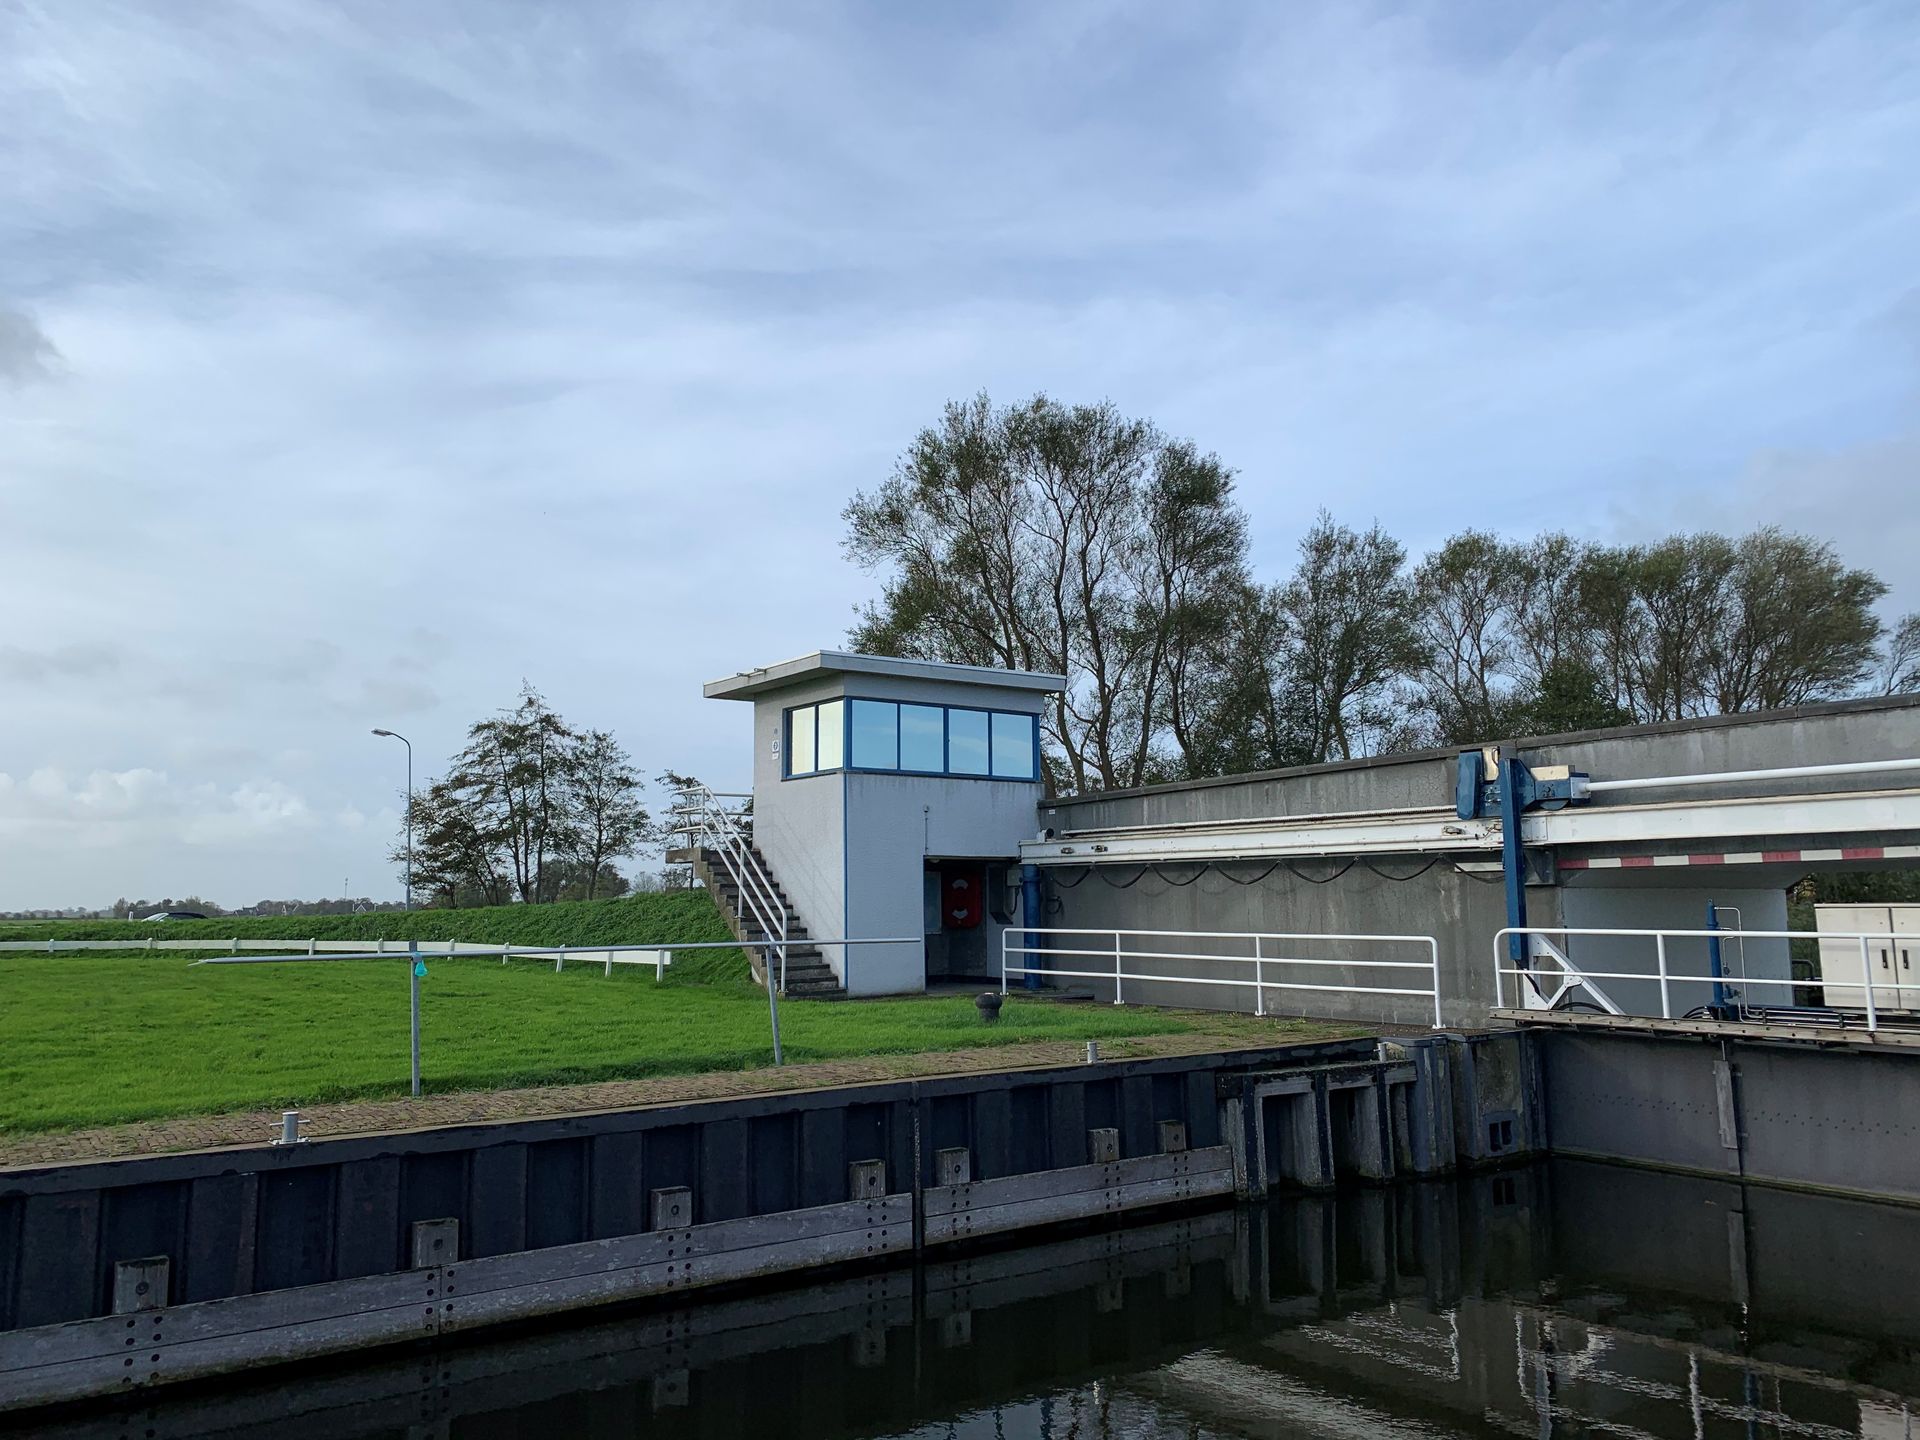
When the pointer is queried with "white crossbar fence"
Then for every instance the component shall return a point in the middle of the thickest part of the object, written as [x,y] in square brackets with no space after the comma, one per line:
[1555,972]
[1171,957]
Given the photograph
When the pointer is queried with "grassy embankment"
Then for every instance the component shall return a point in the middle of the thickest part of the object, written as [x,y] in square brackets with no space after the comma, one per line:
[100,1037]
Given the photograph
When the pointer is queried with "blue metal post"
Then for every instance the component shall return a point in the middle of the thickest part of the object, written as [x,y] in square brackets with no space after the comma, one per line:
[1713,957]
[1513,860]
[1030,913]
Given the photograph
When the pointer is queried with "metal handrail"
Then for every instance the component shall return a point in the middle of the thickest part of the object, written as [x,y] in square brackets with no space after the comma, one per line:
[662,957]
[1573,974]
[709,824]
[1259,960]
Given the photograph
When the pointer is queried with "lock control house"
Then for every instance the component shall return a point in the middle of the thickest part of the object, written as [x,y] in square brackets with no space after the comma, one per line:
[890,798]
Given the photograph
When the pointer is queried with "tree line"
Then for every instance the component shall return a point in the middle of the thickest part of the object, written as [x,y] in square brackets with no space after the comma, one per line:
[530,810]
[1076,540]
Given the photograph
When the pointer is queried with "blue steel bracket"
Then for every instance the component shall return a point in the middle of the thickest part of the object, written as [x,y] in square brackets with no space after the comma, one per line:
[1509,792]
[1477,795]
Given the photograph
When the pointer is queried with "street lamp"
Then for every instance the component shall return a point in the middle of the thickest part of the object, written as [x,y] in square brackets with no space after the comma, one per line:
[395,735]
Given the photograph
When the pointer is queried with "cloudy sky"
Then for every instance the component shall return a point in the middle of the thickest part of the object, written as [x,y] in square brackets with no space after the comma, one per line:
[358,361]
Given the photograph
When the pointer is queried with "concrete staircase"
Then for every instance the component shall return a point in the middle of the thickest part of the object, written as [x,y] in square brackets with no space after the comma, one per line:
[808,974]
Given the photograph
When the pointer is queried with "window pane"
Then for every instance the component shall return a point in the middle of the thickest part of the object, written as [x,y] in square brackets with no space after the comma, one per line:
[1013,746]
[876,735]
[800,741]
[967,742]
[833,735]
[922,733]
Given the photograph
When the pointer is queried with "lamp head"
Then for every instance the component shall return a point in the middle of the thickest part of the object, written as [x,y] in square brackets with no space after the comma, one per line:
[387,733]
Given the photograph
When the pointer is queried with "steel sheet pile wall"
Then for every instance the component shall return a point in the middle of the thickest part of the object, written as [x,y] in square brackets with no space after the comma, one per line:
[125,1274]
[1841,1116]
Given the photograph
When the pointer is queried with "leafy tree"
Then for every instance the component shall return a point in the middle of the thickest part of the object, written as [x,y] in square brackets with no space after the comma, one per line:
[458,849]
[1059,538]
[1570,696]
[1348,628]
[607,818]
[1798,625]
[531,810]
[512,777]
[1464,606]
[1704,625]
[1900,661]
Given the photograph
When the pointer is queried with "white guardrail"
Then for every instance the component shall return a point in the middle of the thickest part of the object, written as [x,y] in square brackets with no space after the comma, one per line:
[1563,973]
[1124,957]
[607,955]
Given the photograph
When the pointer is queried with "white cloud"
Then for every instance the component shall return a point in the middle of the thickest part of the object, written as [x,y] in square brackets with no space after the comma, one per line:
[25,351]
[405,352]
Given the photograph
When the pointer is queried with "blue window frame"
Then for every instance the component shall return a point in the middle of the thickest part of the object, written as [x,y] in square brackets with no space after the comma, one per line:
[903,737]
[923,738]
[876,735]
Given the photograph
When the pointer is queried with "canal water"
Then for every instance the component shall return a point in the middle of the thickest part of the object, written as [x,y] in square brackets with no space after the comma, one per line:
[1565,1299]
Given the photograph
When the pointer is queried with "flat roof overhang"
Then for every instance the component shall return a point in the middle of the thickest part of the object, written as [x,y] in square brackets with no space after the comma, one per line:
[751,683]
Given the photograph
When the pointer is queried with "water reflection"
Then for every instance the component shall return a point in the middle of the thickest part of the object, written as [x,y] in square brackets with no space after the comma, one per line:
[1564,1300]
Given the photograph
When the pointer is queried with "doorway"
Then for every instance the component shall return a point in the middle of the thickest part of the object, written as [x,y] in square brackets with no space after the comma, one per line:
[955,919]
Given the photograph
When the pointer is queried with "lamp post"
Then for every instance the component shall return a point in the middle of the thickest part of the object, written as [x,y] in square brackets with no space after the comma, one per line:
[395,735]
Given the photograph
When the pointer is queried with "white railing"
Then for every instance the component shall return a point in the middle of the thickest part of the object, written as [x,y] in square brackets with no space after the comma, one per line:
[657,955]
[1125,958]
[1567,974]
[708,822]
[389,946]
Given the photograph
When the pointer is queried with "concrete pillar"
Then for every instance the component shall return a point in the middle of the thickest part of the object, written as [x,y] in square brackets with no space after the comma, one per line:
[1292,1137]
[1356,1117]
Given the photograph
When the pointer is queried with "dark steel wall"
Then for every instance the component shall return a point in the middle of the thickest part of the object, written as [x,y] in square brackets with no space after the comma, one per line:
[1842,1117]
[240,1221]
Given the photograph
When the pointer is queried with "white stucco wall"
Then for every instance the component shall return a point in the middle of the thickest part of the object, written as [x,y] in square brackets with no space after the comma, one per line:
[850,847]
[798,823]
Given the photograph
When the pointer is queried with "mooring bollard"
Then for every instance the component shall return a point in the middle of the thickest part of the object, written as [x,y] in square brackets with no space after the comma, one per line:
[1093,1051]
[290,1123]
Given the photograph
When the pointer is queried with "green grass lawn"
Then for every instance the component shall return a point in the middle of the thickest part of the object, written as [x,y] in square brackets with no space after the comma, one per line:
[102,1037]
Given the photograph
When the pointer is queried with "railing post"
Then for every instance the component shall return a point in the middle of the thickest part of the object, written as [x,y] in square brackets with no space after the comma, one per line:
[773,1002]
[1660,953]
[1004,934]
[1116,969]
[1866,982]
[1433,957]
[1259,980]
[414,967]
